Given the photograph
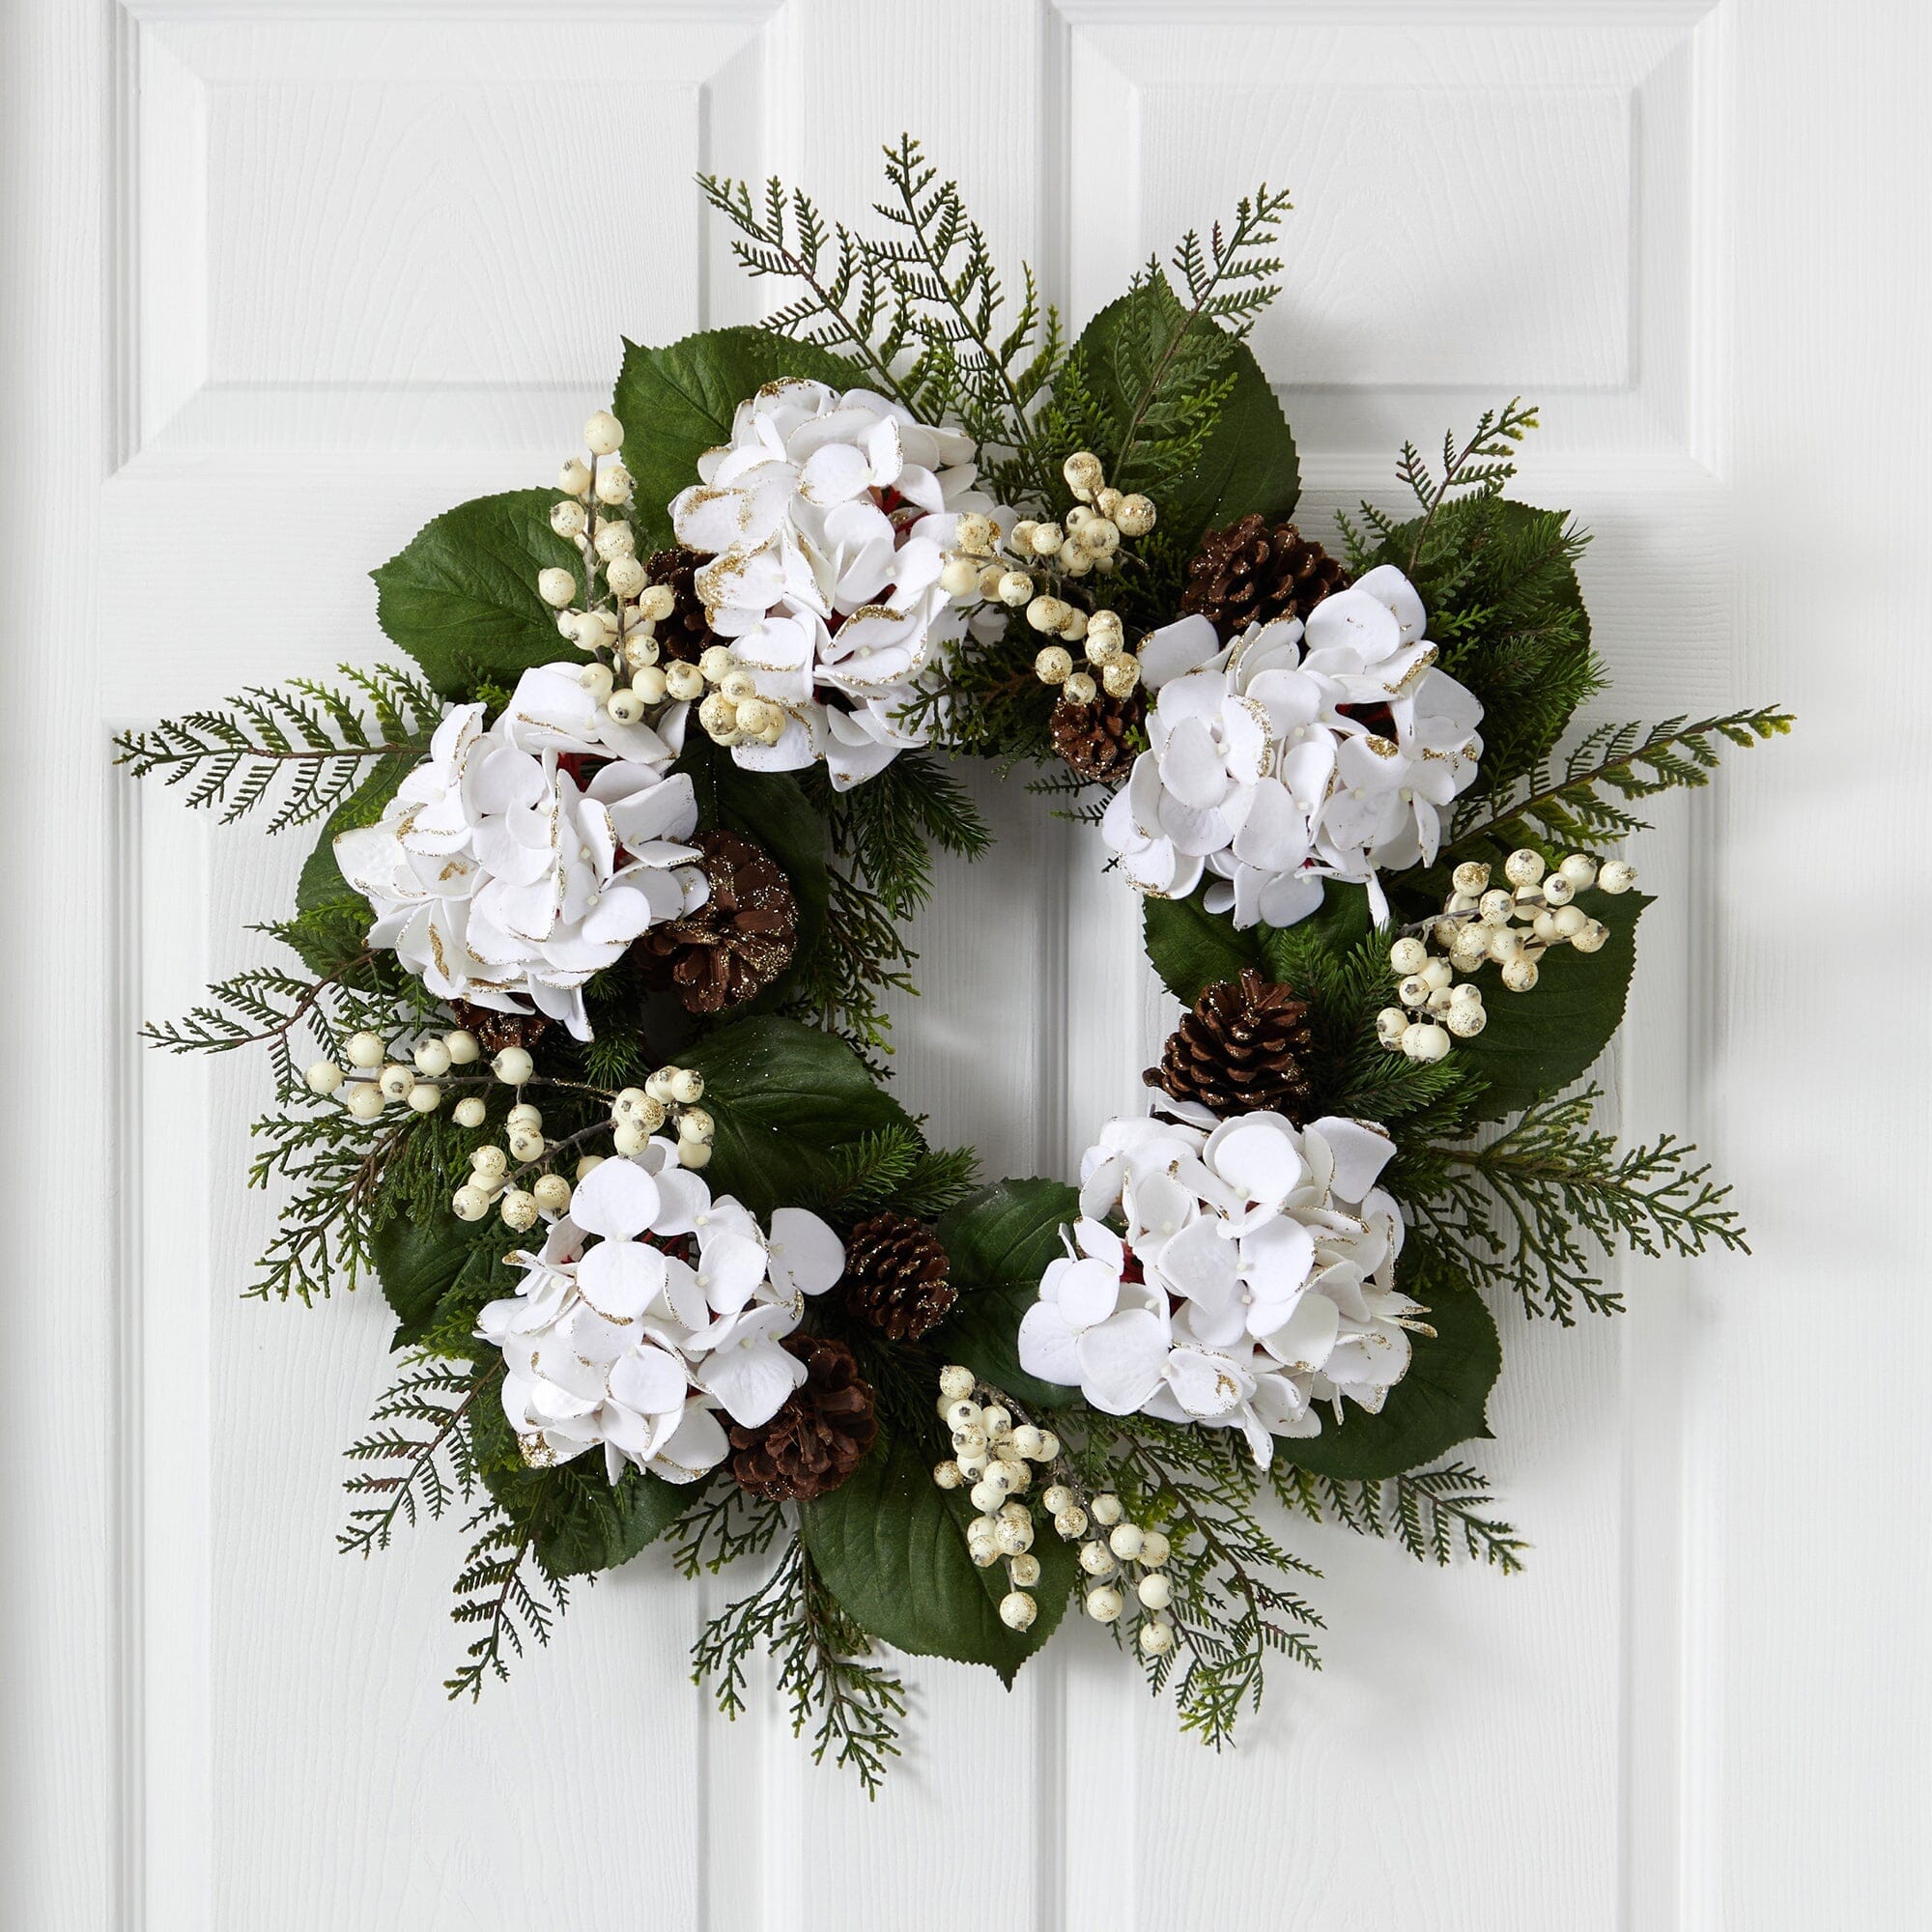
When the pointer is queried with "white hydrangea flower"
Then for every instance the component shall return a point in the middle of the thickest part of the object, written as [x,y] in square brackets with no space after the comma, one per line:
[827,520]
[497,876]
[652,1309]
[1294,755]
[1253,1277]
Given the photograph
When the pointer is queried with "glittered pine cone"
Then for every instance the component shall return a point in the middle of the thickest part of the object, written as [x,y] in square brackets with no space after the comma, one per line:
[497,1030]
[818,1437]
[1097,739]
[897,1277]
[1242,1050]
[1249,574]
[686,634]
[741,939]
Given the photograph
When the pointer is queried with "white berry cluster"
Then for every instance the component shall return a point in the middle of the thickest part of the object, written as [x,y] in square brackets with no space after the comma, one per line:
[1510,929]
[669,1096]
[382,1073]
[1047,557]
[613,615]
[996,1455]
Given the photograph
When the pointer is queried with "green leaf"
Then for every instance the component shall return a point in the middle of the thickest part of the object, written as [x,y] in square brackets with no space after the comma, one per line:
[1192,948]
[597,1525]
[584,1522]
[891,1545]
[1249,462]
[462,598]
[783,1097]
[999,1242]
[421,1263]
[678,402]
[1536,1043]
[1440,1403]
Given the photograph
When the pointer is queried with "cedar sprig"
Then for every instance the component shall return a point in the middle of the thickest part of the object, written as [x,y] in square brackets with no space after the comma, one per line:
[307,738]
[495,1590]
[825,1667]
[1431,1512]
[418,1439]
[1568,802]
[1538,1209]
[1235,1602]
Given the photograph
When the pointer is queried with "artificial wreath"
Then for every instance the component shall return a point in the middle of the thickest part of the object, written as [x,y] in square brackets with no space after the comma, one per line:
[612,883]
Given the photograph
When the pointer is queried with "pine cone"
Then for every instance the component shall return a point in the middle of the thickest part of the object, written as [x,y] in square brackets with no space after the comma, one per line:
[495,1030]
[738,941]
[896,1277]
[818,1437]
[686,634]
[1248,574]
[1096,739]
[1242,1050]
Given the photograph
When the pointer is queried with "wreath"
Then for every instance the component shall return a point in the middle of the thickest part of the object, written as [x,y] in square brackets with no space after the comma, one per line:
[613,886]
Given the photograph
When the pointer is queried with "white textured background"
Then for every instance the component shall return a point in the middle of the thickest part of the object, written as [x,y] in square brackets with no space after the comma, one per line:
[282,281]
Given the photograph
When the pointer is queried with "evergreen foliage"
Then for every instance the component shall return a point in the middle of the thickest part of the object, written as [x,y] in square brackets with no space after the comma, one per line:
[301,748]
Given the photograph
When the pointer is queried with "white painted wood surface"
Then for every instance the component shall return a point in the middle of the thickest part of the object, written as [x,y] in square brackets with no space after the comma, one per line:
[283,279]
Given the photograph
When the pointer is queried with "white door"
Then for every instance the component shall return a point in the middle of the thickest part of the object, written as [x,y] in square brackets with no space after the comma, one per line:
[281,280]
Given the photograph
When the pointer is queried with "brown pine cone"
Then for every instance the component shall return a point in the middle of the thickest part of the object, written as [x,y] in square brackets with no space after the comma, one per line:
[738,941]
[1242,1050]
[1097,739]
[1248,574]
[818,1437]
[495,1030]
[685,635]
[896,1277]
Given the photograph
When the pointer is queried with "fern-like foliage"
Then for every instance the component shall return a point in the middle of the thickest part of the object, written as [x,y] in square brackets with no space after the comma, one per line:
[1572,803]
[506,1588]
[1535,1209]
[826,1670]
[924,310]
[420,1447]
[1431,1513]
[1235,1602]
[303,747]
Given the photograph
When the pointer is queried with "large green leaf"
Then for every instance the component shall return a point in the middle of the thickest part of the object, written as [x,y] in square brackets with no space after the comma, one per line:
[892,1547]
[1192,949]
[1249,462]
[783,1097]
[462,598]
[332,918]
[583,1520]
[678,402]
[1440,1403]
[999,1242]
[1537,1042]
[421,1263]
